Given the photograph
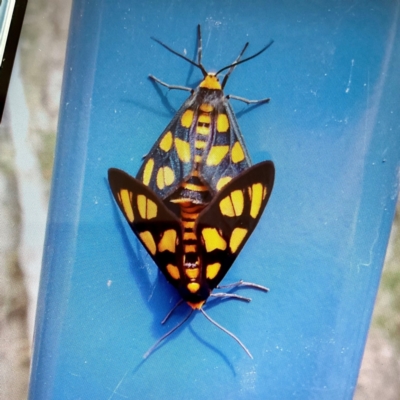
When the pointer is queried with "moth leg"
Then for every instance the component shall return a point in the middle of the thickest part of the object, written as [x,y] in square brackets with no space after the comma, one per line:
[247,101]
[231,295]
[227,332]
[155,345]
[246,284]
[171,311]
[170,87]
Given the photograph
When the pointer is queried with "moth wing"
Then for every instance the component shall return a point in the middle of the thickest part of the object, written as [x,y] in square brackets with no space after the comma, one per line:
[170,160]
[228,156]
[226,224]
[157,228]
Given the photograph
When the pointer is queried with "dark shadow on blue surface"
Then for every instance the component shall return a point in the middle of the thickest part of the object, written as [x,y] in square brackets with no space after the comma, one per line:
[154,295]
[171,110]
[164,97]
[214,349]
[176,328]
[137,368]
[194,58]
[248,108]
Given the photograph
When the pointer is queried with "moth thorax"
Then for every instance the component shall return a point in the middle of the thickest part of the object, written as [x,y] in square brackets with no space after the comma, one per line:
[211,82]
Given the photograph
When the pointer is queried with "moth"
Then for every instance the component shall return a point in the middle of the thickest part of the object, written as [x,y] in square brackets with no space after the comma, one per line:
[197,198]
[202,148]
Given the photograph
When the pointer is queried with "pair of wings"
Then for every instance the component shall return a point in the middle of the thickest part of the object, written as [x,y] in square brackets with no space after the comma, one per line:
[222,228]
[174,151]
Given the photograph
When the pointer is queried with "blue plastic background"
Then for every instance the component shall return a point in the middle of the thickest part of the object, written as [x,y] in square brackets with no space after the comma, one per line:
[332,129]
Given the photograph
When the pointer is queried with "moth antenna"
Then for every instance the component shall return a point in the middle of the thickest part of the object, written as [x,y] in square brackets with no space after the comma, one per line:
[233,66]
[246,59]
[155,345]
[202,69]
[199,45]
[227,332]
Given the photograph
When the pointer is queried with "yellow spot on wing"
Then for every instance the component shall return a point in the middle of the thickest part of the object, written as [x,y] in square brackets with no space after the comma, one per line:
[173,271]
[151,209]
[223,181]
[216,154]
[183,150]
[142,205]
[166,142]
[187,118]
[165,177]
[168,241]
[160,178]
[127,205]
[233,204]
[148,170]
[236,239]
[226,207]
[222,123]
[237,201]
[193,287]
[192,273]
[212,270]
[148,241]
[206,107]
[169,176]
[147,208]
[256,199]
[212,239]
[237,153]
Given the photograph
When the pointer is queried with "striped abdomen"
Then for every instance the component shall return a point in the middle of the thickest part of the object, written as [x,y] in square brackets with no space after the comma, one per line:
[191,261]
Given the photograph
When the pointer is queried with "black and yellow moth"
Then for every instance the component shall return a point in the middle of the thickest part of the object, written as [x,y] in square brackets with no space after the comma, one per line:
[195,252]
[197,199]
[202,148]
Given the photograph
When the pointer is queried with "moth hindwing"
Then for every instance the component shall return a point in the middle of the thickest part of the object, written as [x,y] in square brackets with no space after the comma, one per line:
[203,142]
[195,256]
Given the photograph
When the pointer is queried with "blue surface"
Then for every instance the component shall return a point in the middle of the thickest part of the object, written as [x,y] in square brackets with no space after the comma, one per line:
[332,129]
